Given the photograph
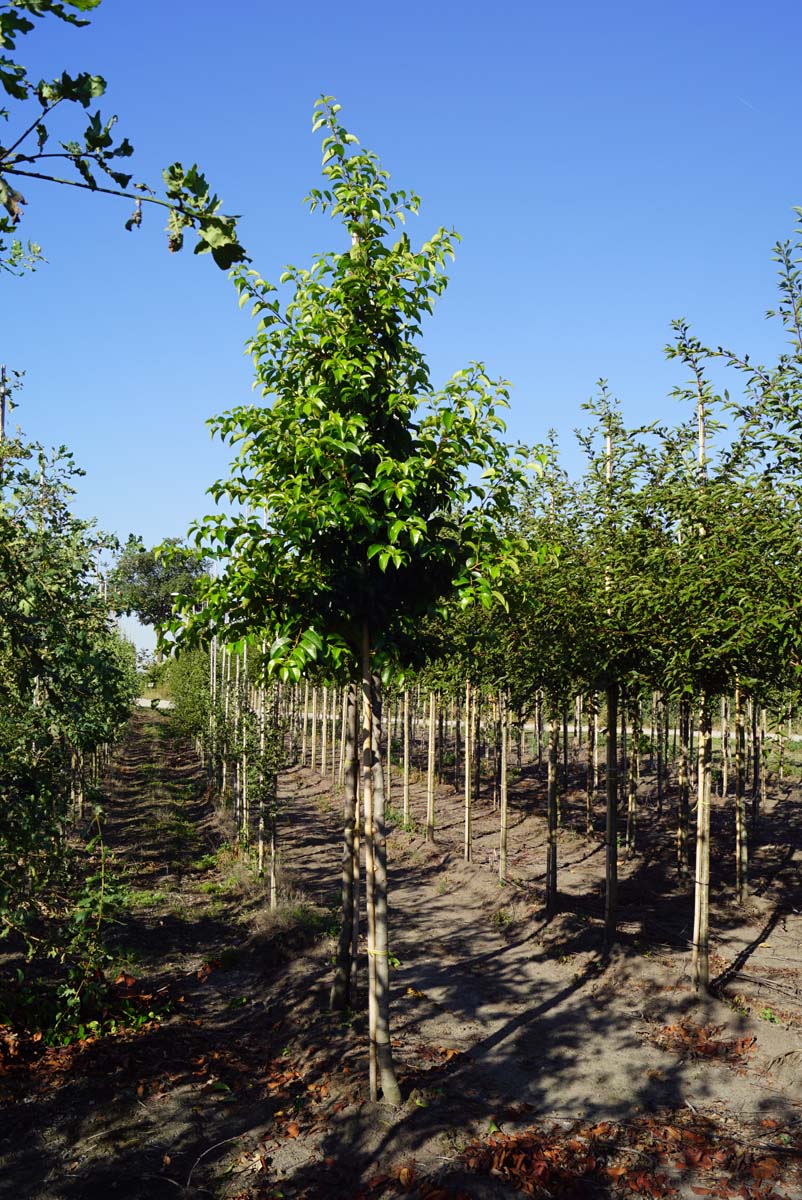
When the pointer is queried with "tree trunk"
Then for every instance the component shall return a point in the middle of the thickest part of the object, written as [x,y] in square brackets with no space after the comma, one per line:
[725,745]
[539,732]
[701,908]
[683,797]
[590,778]
[611,829]
[632,788]
[314,738]
[476,735]
[505,734]
[624,760]
[430,768]
[565,761]
[305,729]
[763,759]
[741,843]
[659,721]
[551,848]
[341,986]
[382,1071]
[406,757]
[468,836]
[343,738]
[260,827]
[324,729]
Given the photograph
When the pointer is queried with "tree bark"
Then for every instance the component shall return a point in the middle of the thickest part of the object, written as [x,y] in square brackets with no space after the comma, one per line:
[340,998]
[382,1071]
[632,775]
[324,740]
[406,757]
[467,847]
[430,768]
[741,843]
[725,745]
[305,729]
[551,847]
[590,778]
[659,720]
[314,738]
[701,908]
[505,733]
[611,828]
[683,797]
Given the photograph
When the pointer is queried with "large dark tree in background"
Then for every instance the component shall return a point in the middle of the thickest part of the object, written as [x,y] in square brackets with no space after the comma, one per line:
[146,583]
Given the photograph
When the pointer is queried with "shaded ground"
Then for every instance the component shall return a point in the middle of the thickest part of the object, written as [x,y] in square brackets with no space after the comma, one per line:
[529,1061]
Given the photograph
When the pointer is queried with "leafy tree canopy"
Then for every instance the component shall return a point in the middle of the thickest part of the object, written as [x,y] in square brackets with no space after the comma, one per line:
[146,582]
[360,494]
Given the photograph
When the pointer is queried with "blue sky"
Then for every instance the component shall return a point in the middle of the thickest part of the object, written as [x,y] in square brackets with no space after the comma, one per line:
[609,167]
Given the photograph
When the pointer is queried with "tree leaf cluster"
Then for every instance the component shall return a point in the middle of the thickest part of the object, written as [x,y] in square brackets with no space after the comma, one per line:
[45,138]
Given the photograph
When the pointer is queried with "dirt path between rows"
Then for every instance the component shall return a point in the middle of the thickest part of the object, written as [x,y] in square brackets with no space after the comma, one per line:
[528,1060]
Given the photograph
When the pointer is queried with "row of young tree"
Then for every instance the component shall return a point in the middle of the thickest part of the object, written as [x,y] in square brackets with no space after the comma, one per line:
[66,679]
[471,741]
[67,682]
[375,527]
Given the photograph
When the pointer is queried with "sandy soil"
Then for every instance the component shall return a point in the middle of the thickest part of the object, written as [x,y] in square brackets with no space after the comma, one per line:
[531,1063]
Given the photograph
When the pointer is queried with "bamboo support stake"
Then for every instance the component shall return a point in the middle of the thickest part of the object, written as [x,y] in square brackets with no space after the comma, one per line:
[430,769]
[467,847]
[406,756]
[502,858]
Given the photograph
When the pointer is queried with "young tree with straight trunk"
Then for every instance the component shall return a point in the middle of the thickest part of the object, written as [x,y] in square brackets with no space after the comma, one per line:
[382,496]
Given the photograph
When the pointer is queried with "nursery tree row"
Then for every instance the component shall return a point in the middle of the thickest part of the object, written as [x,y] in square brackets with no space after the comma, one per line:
[67,682]
[377,529]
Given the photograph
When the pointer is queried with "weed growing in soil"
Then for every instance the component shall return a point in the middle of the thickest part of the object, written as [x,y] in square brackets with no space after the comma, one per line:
[141,898]
[395,818]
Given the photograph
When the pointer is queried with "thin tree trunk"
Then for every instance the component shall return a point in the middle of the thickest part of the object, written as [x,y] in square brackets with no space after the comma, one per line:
[565,760]
[313,747]
[632,788]
[457,740]
[260,827]
[324,740]
[660,712]
[591,763]
[273,856]
[611,828]
[343,738]
[683,797]
[476,735]
[725,745]
[741,843]
[430,768]
[382,1071]
[341,986]
[624,759]
[764,755]
[505,733]
[551,848]
[539,732]
[701,909]
[305,730]
[468,837]
[406,757]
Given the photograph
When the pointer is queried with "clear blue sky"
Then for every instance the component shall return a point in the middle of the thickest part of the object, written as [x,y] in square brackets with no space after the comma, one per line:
[609,167]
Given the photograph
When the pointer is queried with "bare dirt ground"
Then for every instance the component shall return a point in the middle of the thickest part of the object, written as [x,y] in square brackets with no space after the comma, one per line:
[531,1063]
